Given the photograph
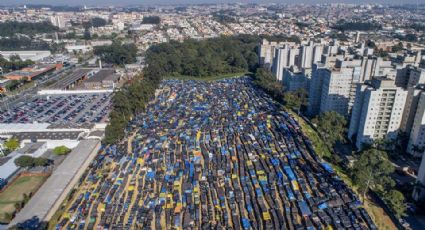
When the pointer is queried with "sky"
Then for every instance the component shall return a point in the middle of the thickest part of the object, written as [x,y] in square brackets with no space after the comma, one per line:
[165,2]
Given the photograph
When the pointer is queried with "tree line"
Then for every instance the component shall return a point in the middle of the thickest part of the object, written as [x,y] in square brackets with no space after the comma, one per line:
[117,53]
[343,25]
[208,57]
[10,28]
[151,20]
[132,99]
[14,63]
[95,22]
[22,43]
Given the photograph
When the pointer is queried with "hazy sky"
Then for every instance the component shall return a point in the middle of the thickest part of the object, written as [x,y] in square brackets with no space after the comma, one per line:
[152,2]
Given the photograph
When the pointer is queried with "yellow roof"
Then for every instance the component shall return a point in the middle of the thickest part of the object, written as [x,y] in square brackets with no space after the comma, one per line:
[266,216]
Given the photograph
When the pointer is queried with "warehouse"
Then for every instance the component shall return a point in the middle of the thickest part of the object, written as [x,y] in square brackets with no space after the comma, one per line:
[104,78]
[29,73]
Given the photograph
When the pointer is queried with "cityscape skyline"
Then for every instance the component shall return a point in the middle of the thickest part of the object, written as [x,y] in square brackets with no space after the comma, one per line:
[192,2]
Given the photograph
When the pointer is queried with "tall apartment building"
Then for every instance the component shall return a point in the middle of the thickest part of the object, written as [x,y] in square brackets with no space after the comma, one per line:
[332,48]
[295,79]
[281,62]
[335,94]
[58,21]
[305,59]
[416,76]
[416,145]
[315,89]
[377,111]
[412,99]
[267,51]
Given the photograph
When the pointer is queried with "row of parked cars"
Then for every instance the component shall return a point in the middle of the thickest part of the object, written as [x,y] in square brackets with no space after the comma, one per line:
[76,108]
[213,155]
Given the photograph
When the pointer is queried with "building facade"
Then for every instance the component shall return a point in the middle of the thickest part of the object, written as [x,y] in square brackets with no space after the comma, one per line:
[377,112]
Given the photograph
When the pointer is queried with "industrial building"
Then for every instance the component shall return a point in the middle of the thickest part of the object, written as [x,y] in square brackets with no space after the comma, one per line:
[33,55]
[35,71]
[104,78]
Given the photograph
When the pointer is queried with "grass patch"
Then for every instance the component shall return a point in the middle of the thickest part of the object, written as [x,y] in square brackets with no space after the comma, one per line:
[381,219]
[206,78]
[15,193]
[319,146]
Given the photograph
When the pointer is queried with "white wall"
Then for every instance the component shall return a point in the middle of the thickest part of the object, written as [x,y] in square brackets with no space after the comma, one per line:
[51,144]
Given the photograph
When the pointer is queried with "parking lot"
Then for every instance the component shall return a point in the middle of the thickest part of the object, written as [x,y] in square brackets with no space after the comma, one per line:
[57,109]
[216,155]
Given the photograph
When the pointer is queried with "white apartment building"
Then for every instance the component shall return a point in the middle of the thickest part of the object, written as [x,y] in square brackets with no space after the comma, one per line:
[377,111]
[336,90]
[409,113]
[281,62]
[57,21]
[416,145]
[305,59]
[267,51]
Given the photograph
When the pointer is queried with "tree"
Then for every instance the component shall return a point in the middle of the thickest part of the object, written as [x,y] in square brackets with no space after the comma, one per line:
[8,216]
[24,161]
[372,171]
[371,44]
[151,20]
[332,126]
[395,200]
[26,198]
[41,161]
[265,80]
[98,22]
[29,161]
[87,35]
[12,144]
[22,43]
[343,25]
[61,150]
[295,99]
[397,48]
[11,28]
[117,53]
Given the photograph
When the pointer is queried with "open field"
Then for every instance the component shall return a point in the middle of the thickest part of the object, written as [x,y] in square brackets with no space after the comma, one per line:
[15,193]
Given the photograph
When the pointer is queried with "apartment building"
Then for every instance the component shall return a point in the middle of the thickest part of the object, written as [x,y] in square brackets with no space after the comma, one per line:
[267,51]
[281,62]
[412,99]
[377,111]
[416,145]
[295,79]
[315,89]
[335,94]
[416,76]
[419,190]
